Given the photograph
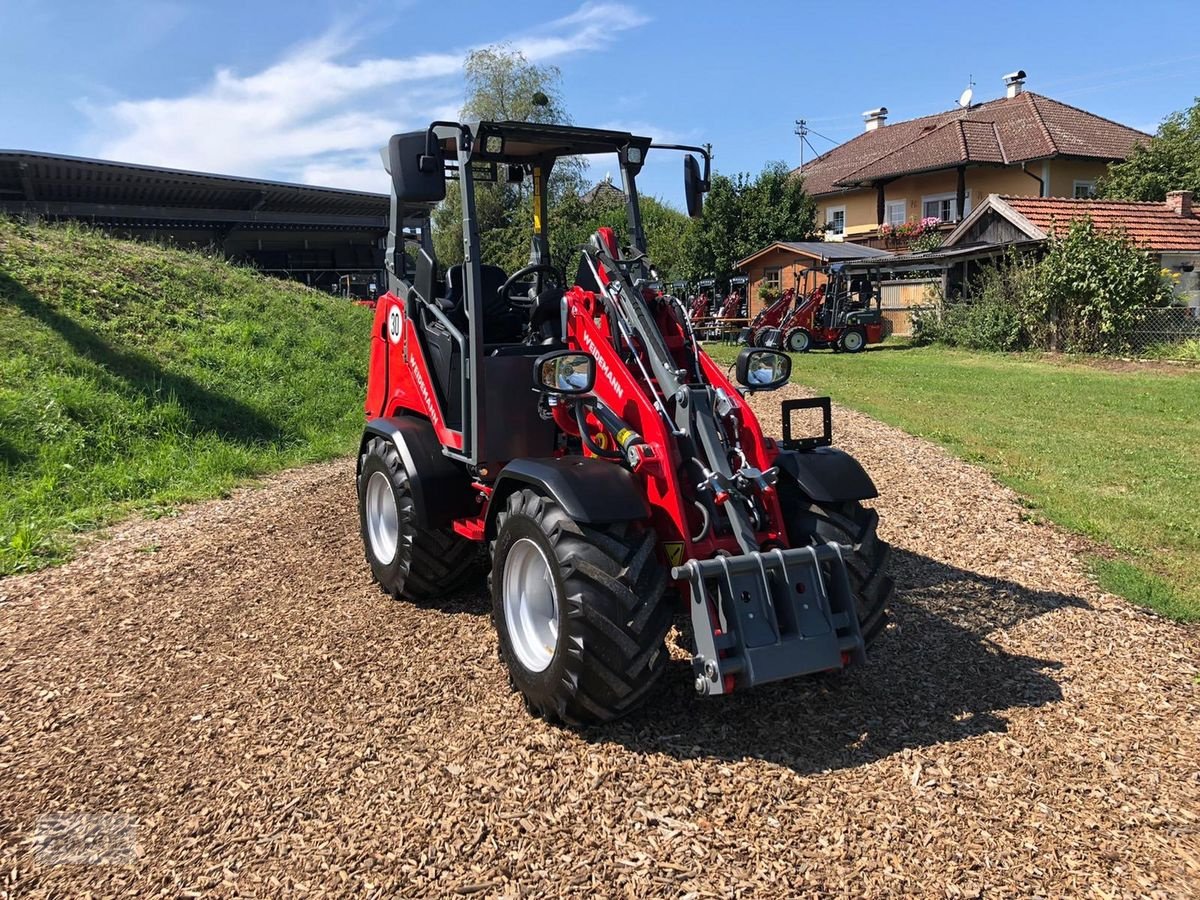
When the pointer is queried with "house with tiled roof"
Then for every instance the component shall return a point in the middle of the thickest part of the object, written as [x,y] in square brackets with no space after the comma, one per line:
[604,191]
[1170,231]
[942,166]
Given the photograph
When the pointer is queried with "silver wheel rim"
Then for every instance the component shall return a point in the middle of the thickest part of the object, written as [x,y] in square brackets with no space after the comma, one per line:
[530,605]
[853,340]
[383,518]
[799,342]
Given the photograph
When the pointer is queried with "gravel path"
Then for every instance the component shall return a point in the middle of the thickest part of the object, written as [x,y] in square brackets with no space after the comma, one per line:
[230,678]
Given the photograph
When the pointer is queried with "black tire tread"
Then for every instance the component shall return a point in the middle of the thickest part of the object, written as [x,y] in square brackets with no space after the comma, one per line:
[434,562]
[616,619]
[854,524]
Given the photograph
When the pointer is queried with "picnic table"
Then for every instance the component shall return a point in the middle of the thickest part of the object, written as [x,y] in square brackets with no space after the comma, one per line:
[719,328]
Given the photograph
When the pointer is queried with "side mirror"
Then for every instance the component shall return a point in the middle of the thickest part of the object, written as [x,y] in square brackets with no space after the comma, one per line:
[763,370]
[417,176]
[564,372]
[515,175]
[693,186]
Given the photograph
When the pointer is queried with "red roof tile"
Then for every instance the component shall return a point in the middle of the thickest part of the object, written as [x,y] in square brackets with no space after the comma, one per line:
[999,132]
[1150,224]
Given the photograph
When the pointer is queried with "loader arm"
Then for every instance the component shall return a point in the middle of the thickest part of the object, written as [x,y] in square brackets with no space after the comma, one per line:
[760,611]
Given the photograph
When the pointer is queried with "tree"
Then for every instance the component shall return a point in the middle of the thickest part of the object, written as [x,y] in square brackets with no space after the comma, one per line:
[1169,161]
[743,215]
[502,85]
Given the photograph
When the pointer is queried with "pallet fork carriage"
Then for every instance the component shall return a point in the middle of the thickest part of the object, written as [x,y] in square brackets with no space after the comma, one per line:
[575,435]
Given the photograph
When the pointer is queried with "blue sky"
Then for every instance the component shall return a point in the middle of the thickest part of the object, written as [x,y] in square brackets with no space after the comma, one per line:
[309,91]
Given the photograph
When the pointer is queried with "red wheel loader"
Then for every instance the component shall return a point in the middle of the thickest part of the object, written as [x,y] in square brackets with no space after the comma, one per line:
[569,437]
[768,320]
[837,314]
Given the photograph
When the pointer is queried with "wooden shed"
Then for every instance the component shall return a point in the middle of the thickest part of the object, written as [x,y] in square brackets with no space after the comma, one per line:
[780,264]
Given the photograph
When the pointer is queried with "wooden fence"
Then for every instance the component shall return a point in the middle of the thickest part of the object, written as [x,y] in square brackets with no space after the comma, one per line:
[899,298]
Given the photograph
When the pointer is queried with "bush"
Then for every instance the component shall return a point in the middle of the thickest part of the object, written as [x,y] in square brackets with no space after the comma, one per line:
[1081,297]
[990,320]
[982,325]
[1087,288]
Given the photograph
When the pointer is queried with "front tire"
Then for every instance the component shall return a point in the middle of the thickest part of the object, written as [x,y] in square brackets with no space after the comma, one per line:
[866,565]
[578,610]
[407,560]
[798,340]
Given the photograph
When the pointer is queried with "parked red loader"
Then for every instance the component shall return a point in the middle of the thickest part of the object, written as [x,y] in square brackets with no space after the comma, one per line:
[570,436]
[837,313]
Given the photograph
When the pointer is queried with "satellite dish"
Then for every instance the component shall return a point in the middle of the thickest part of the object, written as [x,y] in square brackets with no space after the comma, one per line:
[964,99]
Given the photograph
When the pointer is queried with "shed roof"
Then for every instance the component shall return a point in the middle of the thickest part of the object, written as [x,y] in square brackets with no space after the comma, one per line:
[825,251]
[1152,225]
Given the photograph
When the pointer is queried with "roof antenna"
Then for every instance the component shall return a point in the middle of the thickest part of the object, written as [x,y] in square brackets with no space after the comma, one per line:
[964,99]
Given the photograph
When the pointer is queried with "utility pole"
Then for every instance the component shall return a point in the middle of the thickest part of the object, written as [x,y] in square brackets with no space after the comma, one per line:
[801,131]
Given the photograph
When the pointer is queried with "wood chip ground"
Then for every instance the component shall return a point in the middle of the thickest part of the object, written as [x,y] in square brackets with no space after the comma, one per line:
[231,679]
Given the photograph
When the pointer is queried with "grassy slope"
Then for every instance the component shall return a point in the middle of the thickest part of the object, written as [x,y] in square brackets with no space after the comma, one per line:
[136,377]
[1109,454]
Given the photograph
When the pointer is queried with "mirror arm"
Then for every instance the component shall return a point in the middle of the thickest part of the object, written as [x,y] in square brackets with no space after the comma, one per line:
[431,142]
[688,148]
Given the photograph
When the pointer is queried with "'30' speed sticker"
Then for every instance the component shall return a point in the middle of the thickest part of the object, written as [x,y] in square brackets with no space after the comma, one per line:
[394,324]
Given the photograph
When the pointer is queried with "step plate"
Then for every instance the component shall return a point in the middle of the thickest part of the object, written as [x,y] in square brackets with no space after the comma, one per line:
[770,615]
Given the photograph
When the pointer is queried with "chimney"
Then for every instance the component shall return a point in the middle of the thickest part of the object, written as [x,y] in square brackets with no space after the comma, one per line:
[875,117]
[1014,83]
[1180,202]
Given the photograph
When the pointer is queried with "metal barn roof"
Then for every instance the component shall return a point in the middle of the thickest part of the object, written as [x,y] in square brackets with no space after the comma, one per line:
[825,251]
[104,191]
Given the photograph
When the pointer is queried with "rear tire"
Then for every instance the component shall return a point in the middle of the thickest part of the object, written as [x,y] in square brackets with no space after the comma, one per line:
[846,523]
[579,611]
[798,340]
[407,560]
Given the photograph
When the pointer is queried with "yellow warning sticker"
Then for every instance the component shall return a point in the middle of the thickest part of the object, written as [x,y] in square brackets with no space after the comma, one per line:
[674,552]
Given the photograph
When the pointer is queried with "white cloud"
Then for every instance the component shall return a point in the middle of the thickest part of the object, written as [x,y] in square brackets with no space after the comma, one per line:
[312,116]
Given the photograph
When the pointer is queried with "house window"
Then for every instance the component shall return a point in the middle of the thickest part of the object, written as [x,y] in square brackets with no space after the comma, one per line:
[770,279]
[942,206]
[835,220]
[1084,190]
[897,212]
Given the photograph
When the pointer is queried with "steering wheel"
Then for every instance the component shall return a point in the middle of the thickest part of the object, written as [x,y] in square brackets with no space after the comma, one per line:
[522,274]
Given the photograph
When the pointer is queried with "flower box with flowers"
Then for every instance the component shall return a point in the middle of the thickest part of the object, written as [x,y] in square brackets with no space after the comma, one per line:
[906,232]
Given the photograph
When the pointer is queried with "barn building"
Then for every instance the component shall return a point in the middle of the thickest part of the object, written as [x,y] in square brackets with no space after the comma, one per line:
[328,238]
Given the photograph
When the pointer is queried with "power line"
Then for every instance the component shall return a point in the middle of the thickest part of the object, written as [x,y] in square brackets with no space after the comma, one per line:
[818,134]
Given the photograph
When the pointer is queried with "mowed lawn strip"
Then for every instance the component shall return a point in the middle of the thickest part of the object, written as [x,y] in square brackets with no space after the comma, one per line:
[1109,452]
[135,377]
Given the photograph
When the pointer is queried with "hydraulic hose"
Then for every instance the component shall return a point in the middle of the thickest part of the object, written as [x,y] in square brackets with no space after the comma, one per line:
[581,421]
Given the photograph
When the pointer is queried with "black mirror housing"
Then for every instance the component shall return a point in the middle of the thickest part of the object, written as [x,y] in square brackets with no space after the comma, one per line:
[564,372]
[763,370]
[693,186]
[417,175]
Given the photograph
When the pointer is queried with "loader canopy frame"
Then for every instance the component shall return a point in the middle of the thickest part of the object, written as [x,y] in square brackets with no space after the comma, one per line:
[421,162]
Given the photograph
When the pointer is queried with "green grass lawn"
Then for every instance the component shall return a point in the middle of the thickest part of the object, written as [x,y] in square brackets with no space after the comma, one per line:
[1112,454]
[134,377]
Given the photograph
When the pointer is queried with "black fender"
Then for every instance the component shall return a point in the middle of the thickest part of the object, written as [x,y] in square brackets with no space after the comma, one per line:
[441,488]
[826,474]
[588,490]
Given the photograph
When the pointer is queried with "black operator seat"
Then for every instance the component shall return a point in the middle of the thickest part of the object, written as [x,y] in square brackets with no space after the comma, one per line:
[501,323]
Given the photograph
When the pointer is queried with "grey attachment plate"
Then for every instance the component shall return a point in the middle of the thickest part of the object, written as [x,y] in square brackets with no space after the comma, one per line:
[779,614]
